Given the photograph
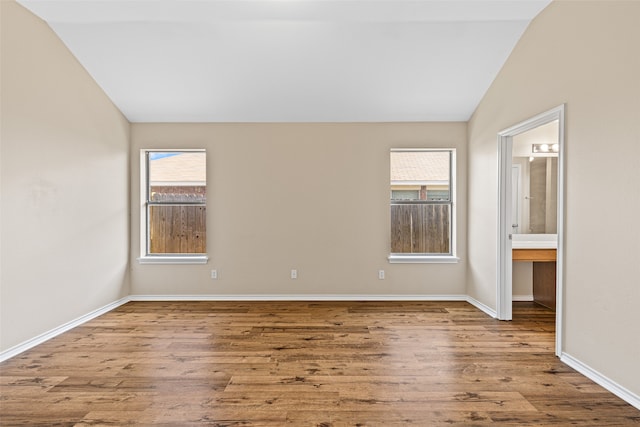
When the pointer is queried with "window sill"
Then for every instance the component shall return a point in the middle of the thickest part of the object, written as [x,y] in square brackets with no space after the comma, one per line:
[186,259]
[423,259]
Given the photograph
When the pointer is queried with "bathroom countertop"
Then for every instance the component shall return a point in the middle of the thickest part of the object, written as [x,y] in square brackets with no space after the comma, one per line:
[534,241]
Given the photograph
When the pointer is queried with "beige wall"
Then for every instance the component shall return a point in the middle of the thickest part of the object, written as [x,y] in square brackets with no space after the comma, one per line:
[584,54]
[314,197]
[64,180]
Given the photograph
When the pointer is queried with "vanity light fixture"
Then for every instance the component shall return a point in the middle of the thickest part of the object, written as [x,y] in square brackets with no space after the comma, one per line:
[544,148]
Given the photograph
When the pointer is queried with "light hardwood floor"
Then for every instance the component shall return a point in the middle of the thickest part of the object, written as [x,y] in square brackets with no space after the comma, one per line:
[304,364]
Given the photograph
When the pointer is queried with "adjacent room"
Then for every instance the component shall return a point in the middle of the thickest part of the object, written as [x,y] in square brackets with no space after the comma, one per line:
[312,212]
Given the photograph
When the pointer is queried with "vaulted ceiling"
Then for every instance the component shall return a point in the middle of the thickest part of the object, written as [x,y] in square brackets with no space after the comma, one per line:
[291,60]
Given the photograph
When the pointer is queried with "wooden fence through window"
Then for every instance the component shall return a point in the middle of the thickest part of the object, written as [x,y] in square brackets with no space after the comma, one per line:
[420,228]
[415,228]
[177,229]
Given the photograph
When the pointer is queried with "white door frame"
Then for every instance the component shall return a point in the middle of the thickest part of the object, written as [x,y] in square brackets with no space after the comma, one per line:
[504,286]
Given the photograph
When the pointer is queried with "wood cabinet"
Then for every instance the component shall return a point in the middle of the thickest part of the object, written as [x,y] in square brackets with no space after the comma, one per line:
[544,274]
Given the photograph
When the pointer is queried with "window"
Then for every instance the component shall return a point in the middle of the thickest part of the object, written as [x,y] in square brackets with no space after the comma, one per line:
[422,205]
[438,194]
[405,194]
[174,206]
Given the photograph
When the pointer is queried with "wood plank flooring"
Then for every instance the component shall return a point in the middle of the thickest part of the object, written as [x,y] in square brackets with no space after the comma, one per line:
[304,364]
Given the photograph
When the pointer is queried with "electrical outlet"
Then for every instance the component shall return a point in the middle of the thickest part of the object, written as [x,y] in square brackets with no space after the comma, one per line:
[214,274]
[381,274]
[294,274]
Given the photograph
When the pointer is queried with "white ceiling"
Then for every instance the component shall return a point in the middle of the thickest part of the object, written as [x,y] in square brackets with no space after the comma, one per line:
[291,60]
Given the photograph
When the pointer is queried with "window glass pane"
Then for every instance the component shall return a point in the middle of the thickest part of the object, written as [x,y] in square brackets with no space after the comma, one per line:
[177,177]
[423,177]
[428,171]
[177,229]
[176,205]
[420,228]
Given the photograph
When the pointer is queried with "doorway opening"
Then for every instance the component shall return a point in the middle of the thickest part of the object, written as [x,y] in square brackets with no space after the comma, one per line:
[531,215]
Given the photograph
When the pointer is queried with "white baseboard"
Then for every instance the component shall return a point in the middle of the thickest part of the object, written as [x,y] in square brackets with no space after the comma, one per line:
[522,298]
[298,297]
[595,376]
[17,349]
[477,304]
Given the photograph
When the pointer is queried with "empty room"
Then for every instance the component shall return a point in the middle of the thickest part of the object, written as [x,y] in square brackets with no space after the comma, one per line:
[320,212]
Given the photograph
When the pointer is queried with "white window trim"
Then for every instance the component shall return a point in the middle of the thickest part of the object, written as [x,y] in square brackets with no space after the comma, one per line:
[451,258]
[177,259]
[423,259]
[144,257]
